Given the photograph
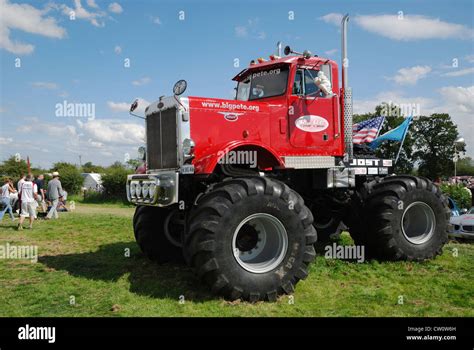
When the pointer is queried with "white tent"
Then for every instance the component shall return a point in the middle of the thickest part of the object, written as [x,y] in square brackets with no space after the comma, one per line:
[92,181]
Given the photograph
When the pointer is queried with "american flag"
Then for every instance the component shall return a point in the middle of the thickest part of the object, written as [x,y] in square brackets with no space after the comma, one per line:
[367,130]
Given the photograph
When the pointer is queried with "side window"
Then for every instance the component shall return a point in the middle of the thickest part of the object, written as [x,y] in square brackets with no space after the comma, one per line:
[310,87]
[298,83]
[319,83]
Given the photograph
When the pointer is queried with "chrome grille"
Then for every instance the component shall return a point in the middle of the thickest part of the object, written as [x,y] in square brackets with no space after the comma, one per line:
[161,139]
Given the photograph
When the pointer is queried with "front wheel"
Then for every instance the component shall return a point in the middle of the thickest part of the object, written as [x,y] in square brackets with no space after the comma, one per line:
[251,238]
[403,218]
[158,232]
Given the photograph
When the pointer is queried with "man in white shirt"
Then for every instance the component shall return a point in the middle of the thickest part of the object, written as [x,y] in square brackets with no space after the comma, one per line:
[28,193]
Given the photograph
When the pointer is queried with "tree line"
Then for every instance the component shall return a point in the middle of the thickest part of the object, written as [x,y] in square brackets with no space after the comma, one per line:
[428,149]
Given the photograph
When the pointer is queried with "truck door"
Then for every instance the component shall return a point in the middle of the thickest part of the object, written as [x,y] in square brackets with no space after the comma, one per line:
[312,114]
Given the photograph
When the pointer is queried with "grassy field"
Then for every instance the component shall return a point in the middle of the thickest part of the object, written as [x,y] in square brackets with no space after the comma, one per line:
[84,269]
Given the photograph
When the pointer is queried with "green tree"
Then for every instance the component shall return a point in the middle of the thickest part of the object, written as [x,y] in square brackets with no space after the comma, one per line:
[114,182]
[88,167]
[434,145]
[459,193]
[13,168]
[465,166]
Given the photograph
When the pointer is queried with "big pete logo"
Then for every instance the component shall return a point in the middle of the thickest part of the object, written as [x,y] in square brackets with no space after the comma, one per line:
[37,333]
[311,123]
[231,116]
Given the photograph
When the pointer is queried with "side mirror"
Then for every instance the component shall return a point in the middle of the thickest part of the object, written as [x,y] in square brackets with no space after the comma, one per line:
[180,87]
[463,211]
[134,105]
[287,50]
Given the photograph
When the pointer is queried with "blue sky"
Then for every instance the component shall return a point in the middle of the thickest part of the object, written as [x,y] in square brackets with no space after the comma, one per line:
[405,57]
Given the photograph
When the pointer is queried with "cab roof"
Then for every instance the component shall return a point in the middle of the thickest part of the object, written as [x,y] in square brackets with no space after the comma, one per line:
[312,61]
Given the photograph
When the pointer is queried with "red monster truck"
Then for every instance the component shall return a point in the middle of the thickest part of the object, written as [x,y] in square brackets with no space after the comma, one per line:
[242,188]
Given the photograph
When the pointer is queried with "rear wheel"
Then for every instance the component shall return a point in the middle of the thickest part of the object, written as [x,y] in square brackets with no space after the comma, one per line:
[402,218]
[158,232]
[251,238]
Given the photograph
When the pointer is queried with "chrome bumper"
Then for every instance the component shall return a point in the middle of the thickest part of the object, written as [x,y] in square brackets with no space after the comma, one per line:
[159,189]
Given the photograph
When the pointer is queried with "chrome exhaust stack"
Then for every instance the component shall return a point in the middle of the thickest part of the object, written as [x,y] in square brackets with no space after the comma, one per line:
[278,50]
[348,117]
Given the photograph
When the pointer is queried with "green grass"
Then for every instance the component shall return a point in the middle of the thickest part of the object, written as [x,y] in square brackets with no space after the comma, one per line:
[98,198]
[83,255]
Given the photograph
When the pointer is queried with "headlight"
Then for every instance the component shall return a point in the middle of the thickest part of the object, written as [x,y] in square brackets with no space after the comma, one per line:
[138,189]
[188,147]
[145,187]
[142,152]
[133,189]
[151,190]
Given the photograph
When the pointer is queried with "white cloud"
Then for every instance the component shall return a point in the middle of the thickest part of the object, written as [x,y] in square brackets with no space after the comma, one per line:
[115,8]
[141,81]
[156,20]
[396,98]
[241,32]
[95,144]
[460,72]
[409,27]
[469,58]
[5,140]
[250,30]
[92,3]
[460,99]
[81,13]
[331,52]
[118,50]
[24,128]
[332,18]
[410,75]
[413,27]
[119,106]
[114,131]
[28,19]
[125,106]
[44,85]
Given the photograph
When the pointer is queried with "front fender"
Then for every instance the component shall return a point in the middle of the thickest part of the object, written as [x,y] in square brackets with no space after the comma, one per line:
[266,157]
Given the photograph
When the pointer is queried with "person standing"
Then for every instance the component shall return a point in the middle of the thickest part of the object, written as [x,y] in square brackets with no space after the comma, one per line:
[18,187]
[41,192]
[54,194]
[28,194]
[5,191]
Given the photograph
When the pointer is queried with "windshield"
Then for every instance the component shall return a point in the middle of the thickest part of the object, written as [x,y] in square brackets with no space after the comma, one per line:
[471,211]
[264,83]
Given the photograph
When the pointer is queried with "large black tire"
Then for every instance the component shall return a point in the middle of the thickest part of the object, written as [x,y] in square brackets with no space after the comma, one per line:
[215,223]
[327,223]
[402,218]
[149,228]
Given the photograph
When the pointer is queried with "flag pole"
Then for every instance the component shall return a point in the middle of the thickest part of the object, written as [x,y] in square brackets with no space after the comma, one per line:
[403,140]
[380,127]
